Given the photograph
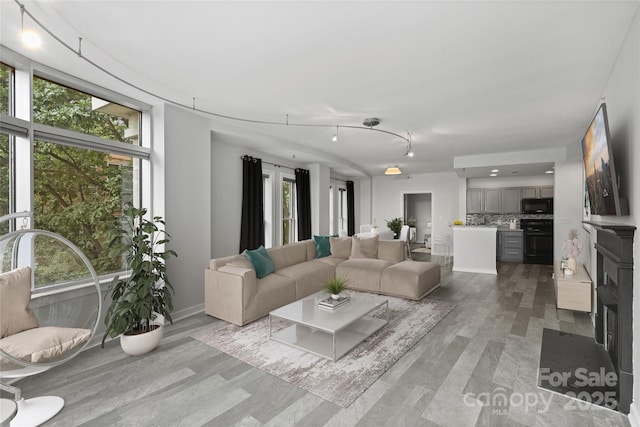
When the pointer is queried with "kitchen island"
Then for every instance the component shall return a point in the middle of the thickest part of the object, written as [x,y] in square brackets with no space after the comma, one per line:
[474,249]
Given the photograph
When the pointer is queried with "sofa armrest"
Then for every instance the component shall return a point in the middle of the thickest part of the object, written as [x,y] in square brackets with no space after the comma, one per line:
[228,291]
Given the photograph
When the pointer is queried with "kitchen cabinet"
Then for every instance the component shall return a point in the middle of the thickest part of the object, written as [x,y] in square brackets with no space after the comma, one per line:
[537,192]
[546,191]
[474,200]
[492,200]
[511,197]
[510,246]
[504,200]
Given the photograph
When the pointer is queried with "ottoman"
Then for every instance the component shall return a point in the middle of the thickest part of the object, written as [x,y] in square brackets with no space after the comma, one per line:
[410,279]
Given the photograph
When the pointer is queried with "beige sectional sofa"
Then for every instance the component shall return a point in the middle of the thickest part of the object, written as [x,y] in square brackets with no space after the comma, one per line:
[235,294]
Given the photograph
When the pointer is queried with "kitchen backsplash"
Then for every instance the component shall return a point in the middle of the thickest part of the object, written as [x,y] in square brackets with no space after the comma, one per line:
[500,219]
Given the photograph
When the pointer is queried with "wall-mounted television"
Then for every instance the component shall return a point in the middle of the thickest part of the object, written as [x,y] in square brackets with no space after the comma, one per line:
[600,172]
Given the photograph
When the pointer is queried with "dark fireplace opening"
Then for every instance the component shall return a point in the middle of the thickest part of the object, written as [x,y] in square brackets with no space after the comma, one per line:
[611,335]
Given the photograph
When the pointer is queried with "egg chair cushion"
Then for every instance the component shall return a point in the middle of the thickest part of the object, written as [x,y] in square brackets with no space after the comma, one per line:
[15,294]
[43,345]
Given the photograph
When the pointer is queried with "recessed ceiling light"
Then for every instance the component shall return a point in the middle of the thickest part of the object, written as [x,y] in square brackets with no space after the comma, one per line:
[495,171]
[494,174]
[548,172]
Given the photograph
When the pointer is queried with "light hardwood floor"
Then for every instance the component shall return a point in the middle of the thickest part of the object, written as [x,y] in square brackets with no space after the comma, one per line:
[490,343]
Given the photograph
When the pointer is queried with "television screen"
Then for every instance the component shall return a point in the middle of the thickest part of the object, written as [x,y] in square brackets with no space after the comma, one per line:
[598,165]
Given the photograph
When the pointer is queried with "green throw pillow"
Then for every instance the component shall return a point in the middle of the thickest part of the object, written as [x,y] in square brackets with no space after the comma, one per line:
[261,261]
[323,246]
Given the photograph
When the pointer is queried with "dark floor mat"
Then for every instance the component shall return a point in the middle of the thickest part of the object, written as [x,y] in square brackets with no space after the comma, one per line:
[577,366]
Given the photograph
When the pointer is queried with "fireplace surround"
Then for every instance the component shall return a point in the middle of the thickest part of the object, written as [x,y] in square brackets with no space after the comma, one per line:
[614,306]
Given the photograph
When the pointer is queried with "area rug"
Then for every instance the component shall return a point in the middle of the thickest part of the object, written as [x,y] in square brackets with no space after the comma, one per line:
[340,382]
[578,367]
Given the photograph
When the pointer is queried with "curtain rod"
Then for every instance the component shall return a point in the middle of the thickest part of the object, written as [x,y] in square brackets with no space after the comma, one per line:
[272,164]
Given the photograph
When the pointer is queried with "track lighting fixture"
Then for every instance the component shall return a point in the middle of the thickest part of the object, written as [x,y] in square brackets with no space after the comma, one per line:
[335,137]
[30,38]
[409,151]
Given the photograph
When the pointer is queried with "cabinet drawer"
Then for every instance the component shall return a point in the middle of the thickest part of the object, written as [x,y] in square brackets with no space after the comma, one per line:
[512,242]
[512,254]
[574,296]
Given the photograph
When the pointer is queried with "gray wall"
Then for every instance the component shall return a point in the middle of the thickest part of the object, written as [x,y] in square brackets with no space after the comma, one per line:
[182,195]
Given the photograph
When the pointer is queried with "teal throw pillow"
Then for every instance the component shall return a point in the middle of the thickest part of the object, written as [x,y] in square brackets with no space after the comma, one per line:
[323,248]
[261,261]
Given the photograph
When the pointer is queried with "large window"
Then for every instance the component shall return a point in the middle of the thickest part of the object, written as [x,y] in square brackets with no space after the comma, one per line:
[6,142]
[6,78]
[75,171]
[5,171]
[267,193]
[70,109]
[342,209]
[289,214]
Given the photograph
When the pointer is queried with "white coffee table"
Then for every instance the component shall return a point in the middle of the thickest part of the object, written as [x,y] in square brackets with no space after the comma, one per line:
[329,333]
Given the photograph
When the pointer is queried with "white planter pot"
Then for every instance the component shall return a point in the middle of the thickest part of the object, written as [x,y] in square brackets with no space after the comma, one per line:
[137,345]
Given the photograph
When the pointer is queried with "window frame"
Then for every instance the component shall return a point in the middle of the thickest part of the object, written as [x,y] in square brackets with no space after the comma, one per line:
[18,124]
[293,219]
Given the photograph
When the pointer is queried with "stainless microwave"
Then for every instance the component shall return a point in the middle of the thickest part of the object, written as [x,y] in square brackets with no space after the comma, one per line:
[543,205]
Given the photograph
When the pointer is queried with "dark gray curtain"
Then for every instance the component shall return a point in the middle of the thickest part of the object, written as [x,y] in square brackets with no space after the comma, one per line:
[303,196]
[351,218]
[252,225]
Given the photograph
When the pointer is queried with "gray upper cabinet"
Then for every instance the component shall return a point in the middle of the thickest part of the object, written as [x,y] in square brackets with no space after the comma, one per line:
[474,200]
[504,200]
[537,192]
[529,192]
[493,200]
[546,191]
[511,197]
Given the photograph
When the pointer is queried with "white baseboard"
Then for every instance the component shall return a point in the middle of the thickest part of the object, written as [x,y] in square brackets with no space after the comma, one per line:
[634,415]
[176,315]
[187,312]
[476,270]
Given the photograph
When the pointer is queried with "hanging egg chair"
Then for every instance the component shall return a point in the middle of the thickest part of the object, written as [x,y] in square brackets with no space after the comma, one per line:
[50,308]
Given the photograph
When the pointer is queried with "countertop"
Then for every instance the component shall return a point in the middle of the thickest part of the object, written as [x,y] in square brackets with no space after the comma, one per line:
[497,227]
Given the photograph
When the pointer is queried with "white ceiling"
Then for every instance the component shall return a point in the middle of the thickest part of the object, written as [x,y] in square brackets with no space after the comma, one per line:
[464,78]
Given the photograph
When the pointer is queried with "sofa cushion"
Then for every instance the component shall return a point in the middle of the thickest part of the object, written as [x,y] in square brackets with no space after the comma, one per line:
[272,292]
[410,279]
[340,247]
[391,250]
[15,295]
[294,253]
[323,248]
[309,276]
[362,274]
[331,260]
[44,345]
[364,247]
[261,262]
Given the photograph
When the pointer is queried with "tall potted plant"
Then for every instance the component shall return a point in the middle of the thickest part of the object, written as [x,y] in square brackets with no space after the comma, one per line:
[137,299]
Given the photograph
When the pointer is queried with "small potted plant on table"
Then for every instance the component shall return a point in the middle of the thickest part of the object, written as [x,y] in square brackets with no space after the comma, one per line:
[335,286]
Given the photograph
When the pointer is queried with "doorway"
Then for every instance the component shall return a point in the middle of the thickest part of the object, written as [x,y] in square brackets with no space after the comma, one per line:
[418,206]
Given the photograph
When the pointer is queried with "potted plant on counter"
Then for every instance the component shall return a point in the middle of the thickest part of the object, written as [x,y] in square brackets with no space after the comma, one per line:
[138,299]
[395,225]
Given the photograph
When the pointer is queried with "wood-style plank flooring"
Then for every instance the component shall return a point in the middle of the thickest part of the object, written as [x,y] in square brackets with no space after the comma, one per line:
[487,348]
